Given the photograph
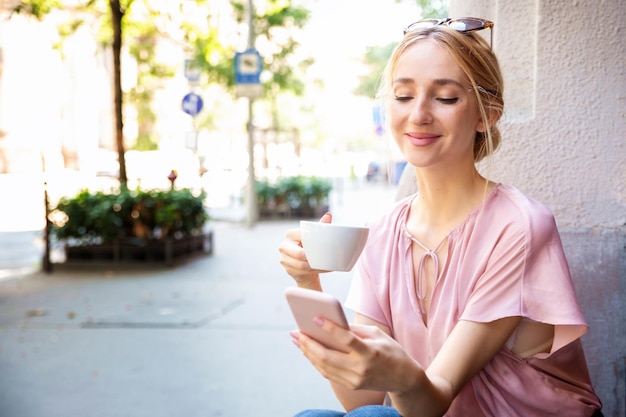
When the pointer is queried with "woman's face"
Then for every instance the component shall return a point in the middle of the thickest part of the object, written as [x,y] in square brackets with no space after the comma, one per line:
[433,114]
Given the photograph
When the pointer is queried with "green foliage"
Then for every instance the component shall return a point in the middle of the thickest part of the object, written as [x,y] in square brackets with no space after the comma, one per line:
[265,192]
[150,78]
[432,9]
[36,8]
[375,58]
[292,193]
[96,217]
[210,55]
[145,142]
[276,27]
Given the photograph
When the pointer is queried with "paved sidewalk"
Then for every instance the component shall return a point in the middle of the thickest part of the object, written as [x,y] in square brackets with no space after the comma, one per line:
[207,338]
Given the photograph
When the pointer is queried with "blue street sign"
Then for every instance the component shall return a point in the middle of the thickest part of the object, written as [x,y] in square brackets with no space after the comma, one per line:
[192,104]
[248,66]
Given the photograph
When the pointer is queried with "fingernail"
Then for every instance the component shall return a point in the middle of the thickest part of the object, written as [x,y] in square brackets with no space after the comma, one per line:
[318,321]
[295,342]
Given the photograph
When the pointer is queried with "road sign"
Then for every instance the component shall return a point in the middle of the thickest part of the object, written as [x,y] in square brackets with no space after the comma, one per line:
[192,72]
[248,66]
[192,104]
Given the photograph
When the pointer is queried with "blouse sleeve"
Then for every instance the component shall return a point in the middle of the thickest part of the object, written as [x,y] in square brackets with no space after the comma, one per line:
[527,275]
[362,299]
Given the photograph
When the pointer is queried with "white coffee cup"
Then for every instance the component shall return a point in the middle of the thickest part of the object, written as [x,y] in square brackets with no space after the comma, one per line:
[332,247]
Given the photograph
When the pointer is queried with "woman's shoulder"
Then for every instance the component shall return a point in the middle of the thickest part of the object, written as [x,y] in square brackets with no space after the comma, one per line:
[518,202]
[513,206]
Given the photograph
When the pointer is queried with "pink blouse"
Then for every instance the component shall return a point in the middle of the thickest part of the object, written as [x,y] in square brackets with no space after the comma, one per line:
[505,259]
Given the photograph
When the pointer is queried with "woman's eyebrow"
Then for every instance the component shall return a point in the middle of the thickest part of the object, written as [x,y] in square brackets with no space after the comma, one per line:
[404,80]
[438,81]
[448,81]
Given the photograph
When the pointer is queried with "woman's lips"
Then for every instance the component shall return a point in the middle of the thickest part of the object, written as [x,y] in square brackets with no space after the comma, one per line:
[421,139]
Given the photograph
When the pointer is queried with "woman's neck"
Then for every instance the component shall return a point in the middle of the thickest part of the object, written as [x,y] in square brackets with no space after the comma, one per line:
[446,200]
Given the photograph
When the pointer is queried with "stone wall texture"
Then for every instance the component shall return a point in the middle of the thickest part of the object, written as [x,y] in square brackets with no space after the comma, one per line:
[564,143]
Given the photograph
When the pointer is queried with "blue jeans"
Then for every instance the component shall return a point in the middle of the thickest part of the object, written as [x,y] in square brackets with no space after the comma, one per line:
[365,411]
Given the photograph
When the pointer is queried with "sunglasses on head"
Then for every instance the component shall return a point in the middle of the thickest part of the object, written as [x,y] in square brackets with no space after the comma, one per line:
[461,24]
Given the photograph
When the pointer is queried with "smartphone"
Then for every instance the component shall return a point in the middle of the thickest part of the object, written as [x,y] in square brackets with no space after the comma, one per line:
[307,304]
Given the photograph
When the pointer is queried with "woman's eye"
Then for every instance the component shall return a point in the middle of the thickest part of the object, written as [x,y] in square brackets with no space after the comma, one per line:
[403,98]
[448,100]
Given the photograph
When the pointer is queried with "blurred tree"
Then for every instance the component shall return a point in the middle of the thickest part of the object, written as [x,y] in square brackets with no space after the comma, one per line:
[150,77]
[211,54]
[376,56]
[111,25]
[118,10]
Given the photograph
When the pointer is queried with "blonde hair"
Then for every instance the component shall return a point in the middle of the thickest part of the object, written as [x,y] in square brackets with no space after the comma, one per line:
[479,64]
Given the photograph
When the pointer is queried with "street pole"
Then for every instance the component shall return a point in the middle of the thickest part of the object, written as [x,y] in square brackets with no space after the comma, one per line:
[46,263]
[251,188]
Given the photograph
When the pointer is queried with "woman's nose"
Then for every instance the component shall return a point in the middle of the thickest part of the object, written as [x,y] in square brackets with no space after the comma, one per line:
[421,112]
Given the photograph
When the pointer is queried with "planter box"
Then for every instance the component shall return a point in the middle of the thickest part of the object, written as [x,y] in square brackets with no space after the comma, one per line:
[168,251]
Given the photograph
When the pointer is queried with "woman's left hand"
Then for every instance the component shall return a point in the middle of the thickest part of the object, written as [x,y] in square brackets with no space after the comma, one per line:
[375,361]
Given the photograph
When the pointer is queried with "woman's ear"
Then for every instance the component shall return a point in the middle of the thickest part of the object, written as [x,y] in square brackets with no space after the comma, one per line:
[493,115]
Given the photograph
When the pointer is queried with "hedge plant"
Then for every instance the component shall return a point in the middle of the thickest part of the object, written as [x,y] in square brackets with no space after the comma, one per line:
[98,217]
[295,195]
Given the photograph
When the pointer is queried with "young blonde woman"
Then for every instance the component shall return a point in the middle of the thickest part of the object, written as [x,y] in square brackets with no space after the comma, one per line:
[463,299]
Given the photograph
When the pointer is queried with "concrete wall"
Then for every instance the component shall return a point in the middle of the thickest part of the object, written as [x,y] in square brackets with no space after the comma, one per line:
[564,142]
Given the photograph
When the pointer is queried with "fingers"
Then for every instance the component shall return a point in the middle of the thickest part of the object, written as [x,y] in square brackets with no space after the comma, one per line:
[374,360]
[327,361]
[293,235]
[332,364]
[341,335]
[295,337]
[327,218]
[345,339]
[294,260]
[291,253]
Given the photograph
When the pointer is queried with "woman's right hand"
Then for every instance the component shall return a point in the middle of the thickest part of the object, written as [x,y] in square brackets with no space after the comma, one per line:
[293,258]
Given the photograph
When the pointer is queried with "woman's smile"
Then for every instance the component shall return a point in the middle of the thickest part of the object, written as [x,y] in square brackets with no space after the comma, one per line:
[422,139]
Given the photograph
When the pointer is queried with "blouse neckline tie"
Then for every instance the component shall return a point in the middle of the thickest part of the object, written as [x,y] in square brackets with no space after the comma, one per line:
[421,270]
